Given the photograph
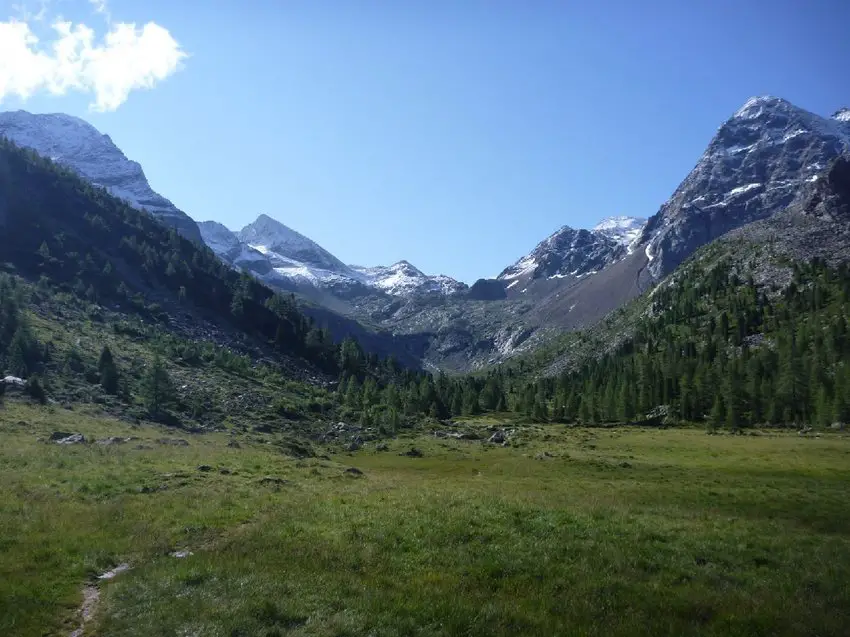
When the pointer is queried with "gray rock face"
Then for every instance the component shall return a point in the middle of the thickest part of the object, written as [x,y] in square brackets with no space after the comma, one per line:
[232,251]
[754,167]
[573,253]
[79,146]
[567,252]
[828,198]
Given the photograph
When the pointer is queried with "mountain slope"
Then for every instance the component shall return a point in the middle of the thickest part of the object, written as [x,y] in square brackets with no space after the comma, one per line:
[814,228]
[757,165]
[196,343]
[78,145]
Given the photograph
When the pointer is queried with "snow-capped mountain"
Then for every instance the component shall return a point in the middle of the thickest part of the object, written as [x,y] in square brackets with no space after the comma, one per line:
[78,145]
[754,167]
[275,252]
[287,246]
[575,253]
[402,279]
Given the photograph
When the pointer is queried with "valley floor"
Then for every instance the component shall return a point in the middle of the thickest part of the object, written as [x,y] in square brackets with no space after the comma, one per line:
[567,531]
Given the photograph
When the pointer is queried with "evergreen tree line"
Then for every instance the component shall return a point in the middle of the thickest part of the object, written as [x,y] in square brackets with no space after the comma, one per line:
[723,350]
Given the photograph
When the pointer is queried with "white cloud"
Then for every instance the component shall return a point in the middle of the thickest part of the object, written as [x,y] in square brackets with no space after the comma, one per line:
[126,59]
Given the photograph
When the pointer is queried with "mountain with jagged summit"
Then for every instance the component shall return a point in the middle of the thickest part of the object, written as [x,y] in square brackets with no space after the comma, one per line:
[753,168]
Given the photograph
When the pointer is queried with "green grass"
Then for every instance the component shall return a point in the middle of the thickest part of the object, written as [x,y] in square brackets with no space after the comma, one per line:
[566,531]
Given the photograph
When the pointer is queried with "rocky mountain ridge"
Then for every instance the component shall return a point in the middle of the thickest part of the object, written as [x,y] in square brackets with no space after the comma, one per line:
[76,144]
[574,253]
[279,255]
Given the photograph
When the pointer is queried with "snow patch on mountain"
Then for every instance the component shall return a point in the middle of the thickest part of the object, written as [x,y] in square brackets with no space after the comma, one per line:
[577,253]
[624,230]
[843,115]
[276,240]
[402,279]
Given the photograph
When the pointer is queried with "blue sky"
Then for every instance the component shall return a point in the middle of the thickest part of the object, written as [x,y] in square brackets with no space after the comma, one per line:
[455,135]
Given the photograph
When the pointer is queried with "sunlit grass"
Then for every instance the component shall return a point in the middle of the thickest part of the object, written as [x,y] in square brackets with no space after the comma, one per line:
[566,531]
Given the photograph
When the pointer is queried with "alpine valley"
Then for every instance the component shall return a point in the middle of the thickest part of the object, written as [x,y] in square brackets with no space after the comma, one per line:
[210,431]
[754,167]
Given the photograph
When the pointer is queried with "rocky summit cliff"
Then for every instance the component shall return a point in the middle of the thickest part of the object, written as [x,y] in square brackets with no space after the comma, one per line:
[78,145]
[753,168]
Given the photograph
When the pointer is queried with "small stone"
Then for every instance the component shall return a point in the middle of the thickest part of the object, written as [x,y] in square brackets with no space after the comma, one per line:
[204,468]
[498,438]
[354,471]
[63,438]
[181,554]
[115,571]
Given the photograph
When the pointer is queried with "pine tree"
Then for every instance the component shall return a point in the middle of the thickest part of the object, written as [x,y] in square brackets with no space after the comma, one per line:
[457,402]
[158,391]
[824,408]
[626,407]
[732,398]
[352,394]
[718,412]
[36,390]
[108,371]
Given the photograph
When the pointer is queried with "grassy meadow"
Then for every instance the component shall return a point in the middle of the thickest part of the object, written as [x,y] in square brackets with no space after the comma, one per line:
[566,531]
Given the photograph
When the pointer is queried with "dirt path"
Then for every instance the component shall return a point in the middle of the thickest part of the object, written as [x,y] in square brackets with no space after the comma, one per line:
[91,596]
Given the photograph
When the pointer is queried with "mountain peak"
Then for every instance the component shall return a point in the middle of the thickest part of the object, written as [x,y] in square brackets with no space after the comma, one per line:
[842,114]
[78,145]
[753,168]
[264,218]
[756,106]
[270,236]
